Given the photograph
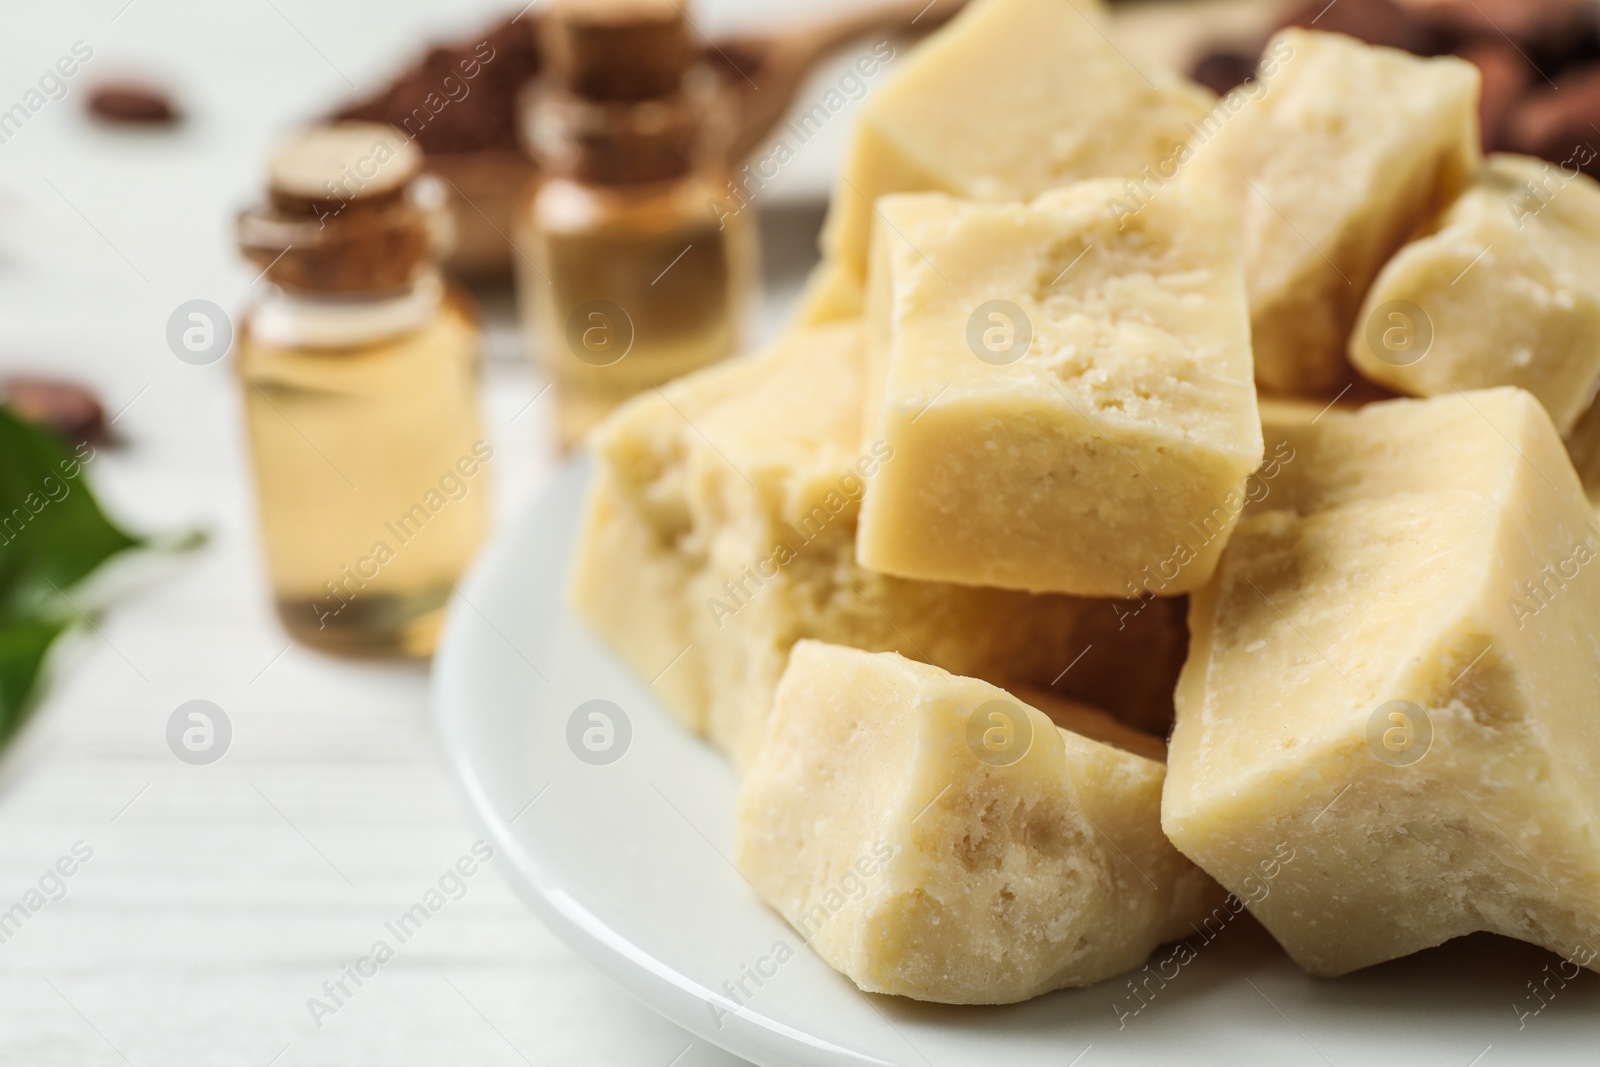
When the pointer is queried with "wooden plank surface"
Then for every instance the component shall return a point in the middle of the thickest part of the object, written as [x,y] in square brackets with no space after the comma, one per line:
[219,899]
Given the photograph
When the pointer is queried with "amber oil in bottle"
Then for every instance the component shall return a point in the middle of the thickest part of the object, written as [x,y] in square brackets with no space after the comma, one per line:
[359,372]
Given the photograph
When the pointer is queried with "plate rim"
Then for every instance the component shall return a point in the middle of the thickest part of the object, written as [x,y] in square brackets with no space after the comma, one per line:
[654,982]
[651,976]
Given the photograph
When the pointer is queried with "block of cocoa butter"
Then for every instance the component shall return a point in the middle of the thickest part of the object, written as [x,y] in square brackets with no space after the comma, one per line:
[1010,99]
[1394,674]
[721,528]
[1339,151]
[1503,290]
[1067,387]
[993,856]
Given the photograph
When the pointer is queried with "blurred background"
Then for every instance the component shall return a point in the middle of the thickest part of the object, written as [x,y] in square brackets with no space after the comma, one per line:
[229,859]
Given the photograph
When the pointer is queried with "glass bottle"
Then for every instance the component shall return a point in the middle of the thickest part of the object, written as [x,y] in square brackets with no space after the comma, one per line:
[629,272]
[359,371]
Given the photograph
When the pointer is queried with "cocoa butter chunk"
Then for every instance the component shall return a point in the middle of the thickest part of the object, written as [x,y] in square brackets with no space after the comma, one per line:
[832,292]
[1010,99]
[1506,291]
[1066,387]
[1335,155]
[721,529]
[1395,674]
[934,837]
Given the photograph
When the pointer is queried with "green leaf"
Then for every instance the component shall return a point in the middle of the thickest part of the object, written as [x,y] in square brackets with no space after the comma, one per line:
[52,536]
[23,646]
[52,532]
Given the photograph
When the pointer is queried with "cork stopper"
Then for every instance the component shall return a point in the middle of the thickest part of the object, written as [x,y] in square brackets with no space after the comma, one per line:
[348,212]
[343,163]
[617,50]
[625,98]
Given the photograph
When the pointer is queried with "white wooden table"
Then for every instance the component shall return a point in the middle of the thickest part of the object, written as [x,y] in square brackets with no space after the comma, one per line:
[220,898]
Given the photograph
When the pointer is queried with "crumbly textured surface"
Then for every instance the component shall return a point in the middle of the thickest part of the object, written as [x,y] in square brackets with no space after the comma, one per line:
[918,869]
[1012,98]
[721,530]
[1505,291]
[1095,430]
[1342,152]
[1395,674]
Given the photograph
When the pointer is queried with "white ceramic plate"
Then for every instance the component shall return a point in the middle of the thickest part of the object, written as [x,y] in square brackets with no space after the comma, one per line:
[628,862]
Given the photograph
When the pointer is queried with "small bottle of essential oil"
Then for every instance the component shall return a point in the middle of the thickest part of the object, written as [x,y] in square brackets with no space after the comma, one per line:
[359,368]
[629,272]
